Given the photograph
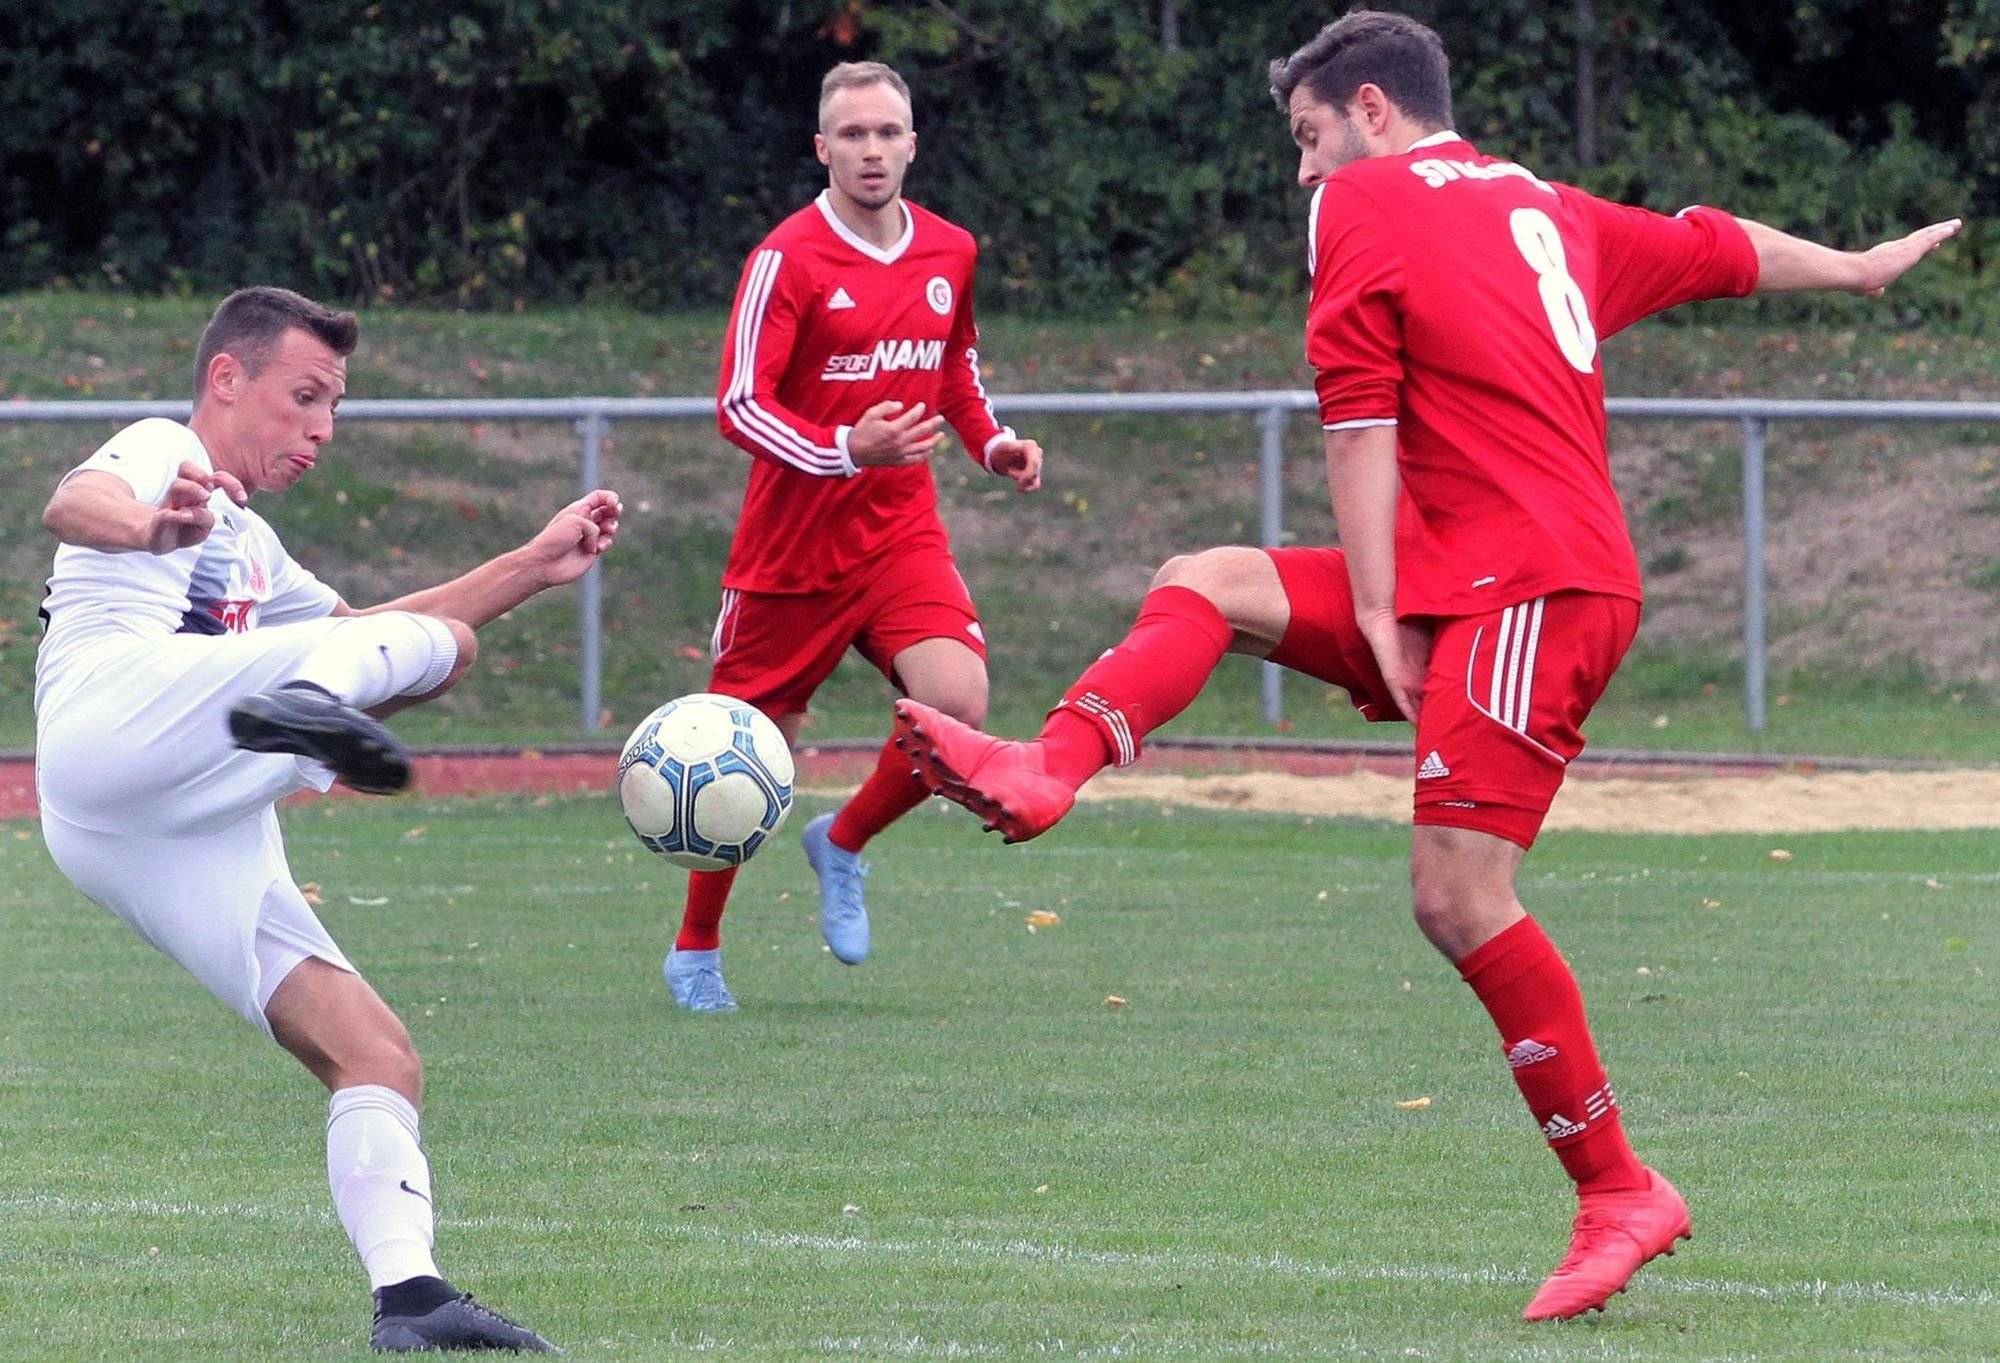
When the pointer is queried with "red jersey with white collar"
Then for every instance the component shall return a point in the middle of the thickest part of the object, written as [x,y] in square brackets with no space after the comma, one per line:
[1460,299]
[825,326]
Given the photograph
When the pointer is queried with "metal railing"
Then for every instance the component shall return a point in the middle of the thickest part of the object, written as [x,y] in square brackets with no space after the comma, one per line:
[1273,408]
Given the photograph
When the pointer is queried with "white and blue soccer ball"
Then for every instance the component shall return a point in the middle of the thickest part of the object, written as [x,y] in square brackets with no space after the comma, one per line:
[705,781]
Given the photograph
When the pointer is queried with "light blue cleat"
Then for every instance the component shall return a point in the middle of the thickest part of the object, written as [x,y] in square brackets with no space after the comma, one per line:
[843,913]
[694,978]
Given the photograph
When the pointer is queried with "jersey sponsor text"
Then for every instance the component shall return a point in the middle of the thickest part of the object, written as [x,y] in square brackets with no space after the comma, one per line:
[888,357]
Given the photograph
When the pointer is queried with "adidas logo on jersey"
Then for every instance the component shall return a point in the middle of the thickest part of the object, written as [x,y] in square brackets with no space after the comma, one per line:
[1529,1051]
[840,300]
[1558,1126]
[1433,767]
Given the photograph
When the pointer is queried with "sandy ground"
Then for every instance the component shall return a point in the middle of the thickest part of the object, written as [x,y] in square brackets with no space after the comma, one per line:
[1778,802]
[1622,798]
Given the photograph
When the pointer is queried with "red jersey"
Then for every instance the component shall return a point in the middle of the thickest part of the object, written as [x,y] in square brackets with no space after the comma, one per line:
[1460,299]
[825,326]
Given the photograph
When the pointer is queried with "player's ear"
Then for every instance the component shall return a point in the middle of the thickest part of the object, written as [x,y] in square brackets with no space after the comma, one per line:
[819,149]
[1374,105]
[225,376]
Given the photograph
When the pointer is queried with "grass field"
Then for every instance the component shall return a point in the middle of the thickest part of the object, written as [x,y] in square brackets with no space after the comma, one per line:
[960,1151]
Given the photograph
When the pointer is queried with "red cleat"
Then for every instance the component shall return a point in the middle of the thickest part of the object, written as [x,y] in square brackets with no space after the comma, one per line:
[1000,781]
[1616,1234]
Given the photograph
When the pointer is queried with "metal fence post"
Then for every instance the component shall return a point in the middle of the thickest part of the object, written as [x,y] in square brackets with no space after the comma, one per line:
[590,608]
[1755,429]
[1271,533]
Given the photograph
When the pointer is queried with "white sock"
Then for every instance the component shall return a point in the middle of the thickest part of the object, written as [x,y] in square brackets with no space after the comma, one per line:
[381,1182]
[366,659]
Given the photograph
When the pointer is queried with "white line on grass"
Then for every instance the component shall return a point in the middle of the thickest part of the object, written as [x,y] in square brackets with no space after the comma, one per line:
[1817,1292]
[1285,1265]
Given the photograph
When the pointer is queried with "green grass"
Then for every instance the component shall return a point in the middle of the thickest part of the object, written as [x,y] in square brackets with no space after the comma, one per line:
[959,1151]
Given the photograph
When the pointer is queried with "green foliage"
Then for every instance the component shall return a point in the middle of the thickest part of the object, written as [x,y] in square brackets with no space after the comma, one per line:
[1110,154]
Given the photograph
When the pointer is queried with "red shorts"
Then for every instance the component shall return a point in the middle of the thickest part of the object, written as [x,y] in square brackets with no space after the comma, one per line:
[774,649]
[1322,639]
[1504,703]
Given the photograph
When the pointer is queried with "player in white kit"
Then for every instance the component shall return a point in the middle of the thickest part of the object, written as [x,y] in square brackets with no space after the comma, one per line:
[193,674]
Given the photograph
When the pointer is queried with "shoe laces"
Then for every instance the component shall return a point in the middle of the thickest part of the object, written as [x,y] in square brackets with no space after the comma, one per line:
[847,879]
[484,1312]
[1594,1226]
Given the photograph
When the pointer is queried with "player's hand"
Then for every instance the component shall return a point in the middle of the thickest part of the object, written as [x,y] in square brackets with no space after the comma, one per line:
[575,536]
[1403,652]
[1020,460]
[1883,265]
[892,436]
[183,519]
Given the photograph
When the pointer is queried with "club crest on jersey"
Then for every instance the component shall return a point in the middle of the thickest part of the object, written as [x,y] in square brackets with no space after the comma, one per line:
[938,294]
[886,358]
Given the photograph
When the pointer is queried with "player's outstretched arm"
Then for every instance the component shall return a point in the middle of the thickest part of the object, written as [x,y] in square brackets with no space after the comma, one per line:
[563,550]
[1786,263]
[96,510]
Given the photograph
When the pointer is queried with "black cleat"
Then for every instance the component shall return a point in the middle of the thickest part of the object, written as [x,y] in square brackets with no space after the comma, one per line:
[308,720]
[459,1323]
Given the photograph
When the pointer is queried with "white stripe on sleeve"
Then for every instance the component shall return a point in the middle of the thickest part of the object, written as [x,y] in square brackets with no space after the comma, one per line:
[739,401]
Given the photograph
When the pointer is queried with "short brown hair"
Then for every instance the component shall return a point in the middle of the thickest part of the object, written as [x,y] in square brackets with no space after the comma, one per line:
[250,321]
[1371,47]
[854,75]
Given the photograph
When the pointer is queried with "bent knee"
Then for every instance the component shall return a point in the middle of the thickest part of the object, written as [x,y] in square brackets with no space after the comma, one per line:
[1184,570]
[1436,910]
[1219,574]
[465,643]
[1242,584]
[389,1060]
[467,640]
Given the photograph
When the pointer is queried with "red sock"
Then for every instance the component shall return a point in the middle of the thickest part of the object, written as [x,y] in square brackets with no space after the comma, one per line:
[1151,676]
[891,791]
[701,923]
[1528,989]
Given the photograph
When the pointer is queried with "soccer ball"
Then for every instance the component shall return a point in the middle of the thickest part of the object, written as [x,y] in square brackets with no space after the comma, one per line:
[705,781]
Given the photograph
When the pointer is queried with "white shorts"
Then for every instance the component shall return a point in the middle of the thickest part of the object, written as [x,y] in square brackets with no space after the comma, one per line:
[139,744]
[221,902]
[151,810]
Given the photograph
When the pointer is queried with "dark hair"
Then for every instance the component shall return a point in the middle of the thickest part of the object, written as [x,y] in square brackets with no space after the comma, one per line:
[1371,47]
[250,321]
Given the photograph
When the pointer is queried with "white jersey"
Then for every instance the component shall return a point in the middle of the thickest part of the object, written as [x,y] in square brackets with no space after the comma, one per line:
[236,579]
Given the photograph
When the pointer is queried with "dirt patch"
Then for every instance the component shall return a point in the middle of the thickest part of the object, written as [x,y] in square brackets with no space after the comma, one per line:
[1783,802]
[1667,797]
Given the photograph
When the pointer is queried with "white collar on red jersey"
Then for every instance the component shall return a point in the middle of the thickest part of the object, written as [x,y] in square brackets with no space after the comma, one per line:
[887,256]
[1437,139]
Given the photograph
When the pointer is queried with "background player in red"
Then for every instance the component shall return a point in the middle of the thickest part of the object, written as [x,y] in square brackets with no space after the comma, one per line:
[1488,587]
[851,344]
